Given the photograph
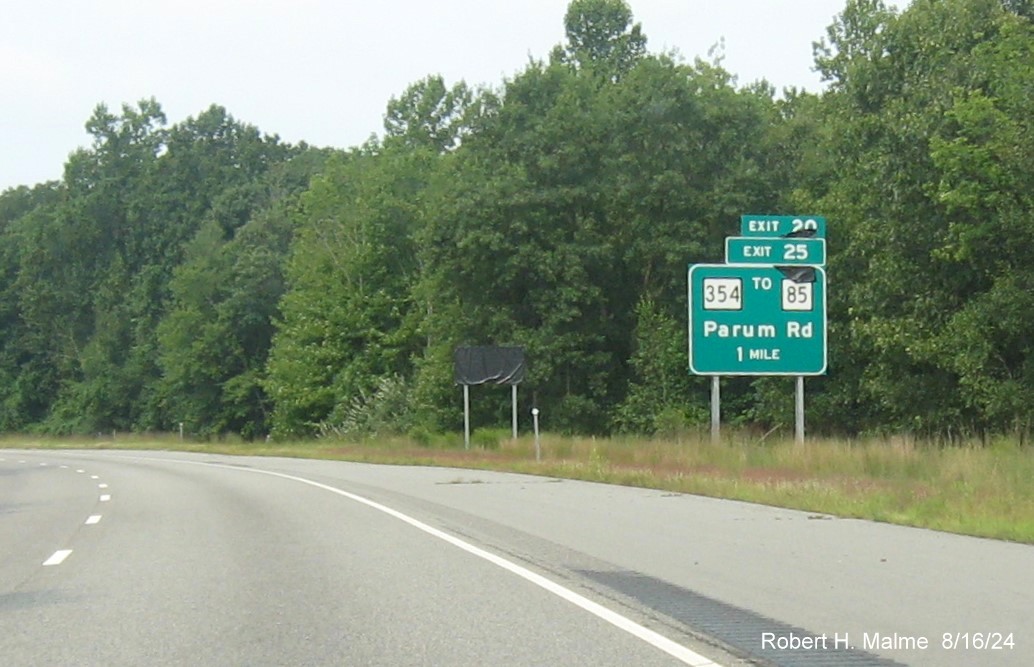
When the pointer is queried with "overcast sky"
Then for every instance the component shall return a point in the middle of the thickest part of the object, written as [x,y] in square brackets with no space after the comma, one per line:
[322,71]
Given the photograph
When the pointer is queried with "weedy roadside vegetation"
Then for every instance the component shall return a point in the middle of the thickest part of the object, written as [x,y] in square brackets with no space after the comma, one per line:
[980,488]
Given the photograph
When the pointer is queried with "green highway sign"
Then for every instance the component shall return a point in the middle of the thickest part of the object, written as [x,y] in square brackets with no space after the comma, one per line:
[782,225]
[792,251]
[753,320]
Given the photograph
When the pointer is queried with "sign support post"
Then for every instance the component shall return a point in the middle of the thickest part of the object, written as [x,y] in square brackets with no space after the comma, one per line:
[488,365]
[716,409]
[799,413]
[466,416]
[514,411]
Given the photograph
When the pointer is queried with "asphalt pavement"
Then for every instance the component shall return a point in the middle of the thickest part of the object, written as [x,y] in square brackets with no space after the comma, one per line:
[165,558]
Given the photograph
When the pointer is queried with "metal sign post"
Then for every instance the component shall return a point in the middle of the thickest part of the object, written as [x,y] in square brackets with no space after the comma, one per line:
[716,409]
[466,416]
[798,431]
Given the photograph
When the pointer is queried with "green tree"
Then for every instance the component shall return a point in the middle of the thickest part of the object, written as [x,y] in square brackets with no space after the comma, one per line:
[346,317]
[601,37]
[28,380]
[986,187]
[904,90]
[429,115]
[659,394]
[215,335]
[574,200]
[87,276]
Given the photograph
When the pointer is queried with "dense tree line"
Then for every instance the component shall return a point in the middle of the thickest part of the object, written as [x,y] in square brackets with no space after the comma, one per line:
[209,274]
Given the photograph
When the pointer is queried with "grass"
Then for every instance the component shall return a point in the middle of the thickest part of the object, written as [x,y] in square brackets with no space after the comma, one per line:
[970,488]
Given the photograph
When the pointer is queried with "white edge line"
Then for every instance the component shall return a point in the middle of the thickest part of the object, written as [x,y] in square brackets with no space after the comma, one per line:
[655,639]
[58,557]
[93,519]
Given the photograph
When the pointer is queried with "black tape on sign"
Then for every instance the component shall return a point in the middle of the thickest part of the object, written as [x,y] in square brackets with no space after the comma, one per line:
[489,365]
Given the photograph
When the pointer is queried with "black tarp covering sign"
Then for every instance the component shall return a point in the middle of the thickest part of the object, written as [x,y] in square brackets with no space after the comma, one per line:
[489,365]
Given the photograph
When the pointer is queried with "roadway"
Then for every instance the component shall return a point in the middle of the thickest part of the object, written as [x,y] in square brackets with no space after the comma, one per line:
[164,558]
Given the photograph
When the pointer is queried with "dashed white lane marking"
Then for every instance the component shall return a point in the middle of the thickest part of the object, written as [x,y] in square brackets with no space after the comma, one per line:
[655,639]
[43,465]
[58,557]
[95,476]
[64,467]
[105,498]
[102,486]
[93,519]
[80,471]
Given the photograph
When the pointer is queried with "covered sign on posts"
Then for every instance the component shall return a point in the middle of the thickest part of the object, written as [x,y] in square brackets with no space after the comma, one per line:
[488,365]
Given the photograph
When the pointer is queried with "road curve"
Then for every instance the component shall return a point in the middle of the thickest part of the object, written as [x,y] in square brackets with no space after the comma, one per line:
[128,558]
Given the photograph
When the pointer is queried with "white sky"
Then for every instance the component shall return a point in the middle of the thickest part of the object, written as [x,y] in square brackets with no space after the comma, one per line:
[322,71]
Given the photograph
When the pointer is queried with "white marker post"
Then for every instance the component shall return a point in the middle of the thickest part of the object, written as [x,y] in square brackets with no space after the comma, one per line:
[538,445]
